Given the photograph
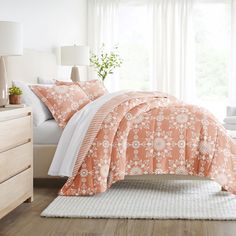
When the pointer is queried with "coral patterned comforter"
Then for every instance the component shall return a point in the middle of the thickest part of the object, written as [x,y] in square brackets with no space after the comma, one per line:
[136,133]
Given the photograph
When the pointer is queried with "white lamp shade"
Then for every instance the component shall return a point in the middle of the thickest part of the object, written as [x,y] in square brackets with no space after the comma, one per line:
[75,55]
[10,38]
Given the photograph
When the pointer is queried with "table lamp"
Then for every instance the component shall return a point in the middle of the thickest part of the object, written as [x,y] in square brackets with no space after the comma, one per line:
[75,56]
[10,45]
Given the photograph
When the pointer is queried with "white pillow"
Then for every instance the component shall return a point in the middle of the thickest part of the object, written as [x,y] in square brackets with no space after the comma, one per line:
[40,111]
[46,81]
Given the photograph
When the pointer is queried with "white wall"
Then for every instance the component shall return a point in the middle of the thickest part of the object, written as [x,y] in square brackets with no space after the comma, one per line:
[49,24]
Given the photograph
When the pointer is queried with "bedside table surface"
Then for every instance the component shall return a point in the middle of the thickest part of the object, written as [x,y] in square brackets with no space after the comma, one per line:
[14,112]
[9,107]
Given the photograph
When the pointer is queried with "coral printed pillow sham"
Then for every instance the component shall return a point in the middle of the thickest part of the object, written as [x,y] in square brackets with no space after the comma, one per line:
[93,88]
[63,101]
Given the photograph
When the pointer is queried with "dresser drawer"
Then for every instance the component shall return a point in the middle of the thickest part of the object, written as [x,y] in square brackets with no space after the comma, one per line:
[14,132]
[15,191]
[15,160]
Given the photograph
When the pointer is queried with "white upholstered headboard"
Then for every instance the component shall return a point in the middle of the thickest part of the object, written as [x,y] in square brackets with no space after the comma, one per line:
[31,65]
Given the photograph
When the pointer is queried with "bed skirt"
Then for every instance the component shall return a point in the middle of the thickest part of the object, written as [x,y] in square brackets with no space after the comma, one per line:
[43,155]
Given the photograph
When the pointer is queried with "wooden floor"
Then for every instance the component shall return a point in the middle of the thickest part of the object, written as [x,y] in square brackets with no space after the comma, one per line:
[26,221]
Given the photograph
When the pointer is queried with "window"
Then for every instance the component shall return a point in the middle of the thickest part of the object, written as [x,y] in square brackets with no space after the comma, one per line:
[133,46]
[212,54]
[212,26]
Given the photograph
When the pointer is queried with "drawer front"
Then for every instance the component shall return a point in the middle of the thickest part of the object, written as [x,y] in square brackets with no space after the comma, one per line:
[14,132]
[15,191]
[15,160]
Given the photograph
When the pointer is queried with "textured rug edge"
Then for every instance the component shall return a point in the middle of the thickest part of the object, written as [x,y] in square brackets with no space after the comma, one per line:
[51,211]
[48,215]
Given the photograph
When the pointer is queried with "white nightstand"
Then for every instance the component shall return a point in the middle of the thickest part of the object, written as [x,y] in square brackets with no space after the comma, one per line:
[16,158]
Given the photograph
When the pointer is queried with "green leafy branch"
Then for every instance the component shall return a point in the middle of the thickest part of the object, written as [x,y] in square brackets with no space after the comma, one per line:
[105,63]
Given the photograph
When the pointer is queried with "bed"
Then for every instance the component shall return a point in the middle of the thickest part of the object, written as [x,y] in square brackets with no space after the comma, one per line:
[178,122]
[141,133]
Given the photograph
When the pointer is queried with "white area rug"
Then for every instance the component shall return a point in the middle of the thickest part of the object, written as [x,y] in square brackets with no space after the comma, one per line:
[150,199]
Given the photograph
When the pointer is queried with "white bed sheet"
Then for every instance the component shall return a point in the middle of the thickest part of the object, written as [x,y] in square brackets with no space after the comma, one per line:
[47,133]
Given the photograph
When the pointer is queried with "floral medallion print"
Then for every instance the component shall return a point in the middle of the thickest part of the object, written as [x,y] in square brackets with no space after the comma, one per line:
[152,133]
[63,101]
[93,88]
[181,117]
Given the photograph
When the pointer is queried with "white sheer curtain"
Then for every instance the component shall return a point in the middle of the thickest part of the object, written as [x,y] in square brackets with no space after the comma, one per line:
[103,29]
[173,47]
[171,41]
[232,83]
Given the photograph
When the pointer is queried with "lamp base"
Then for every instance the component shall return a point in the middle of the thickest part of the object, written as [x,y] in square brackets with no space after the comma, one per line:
[75,74]
[3,84]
